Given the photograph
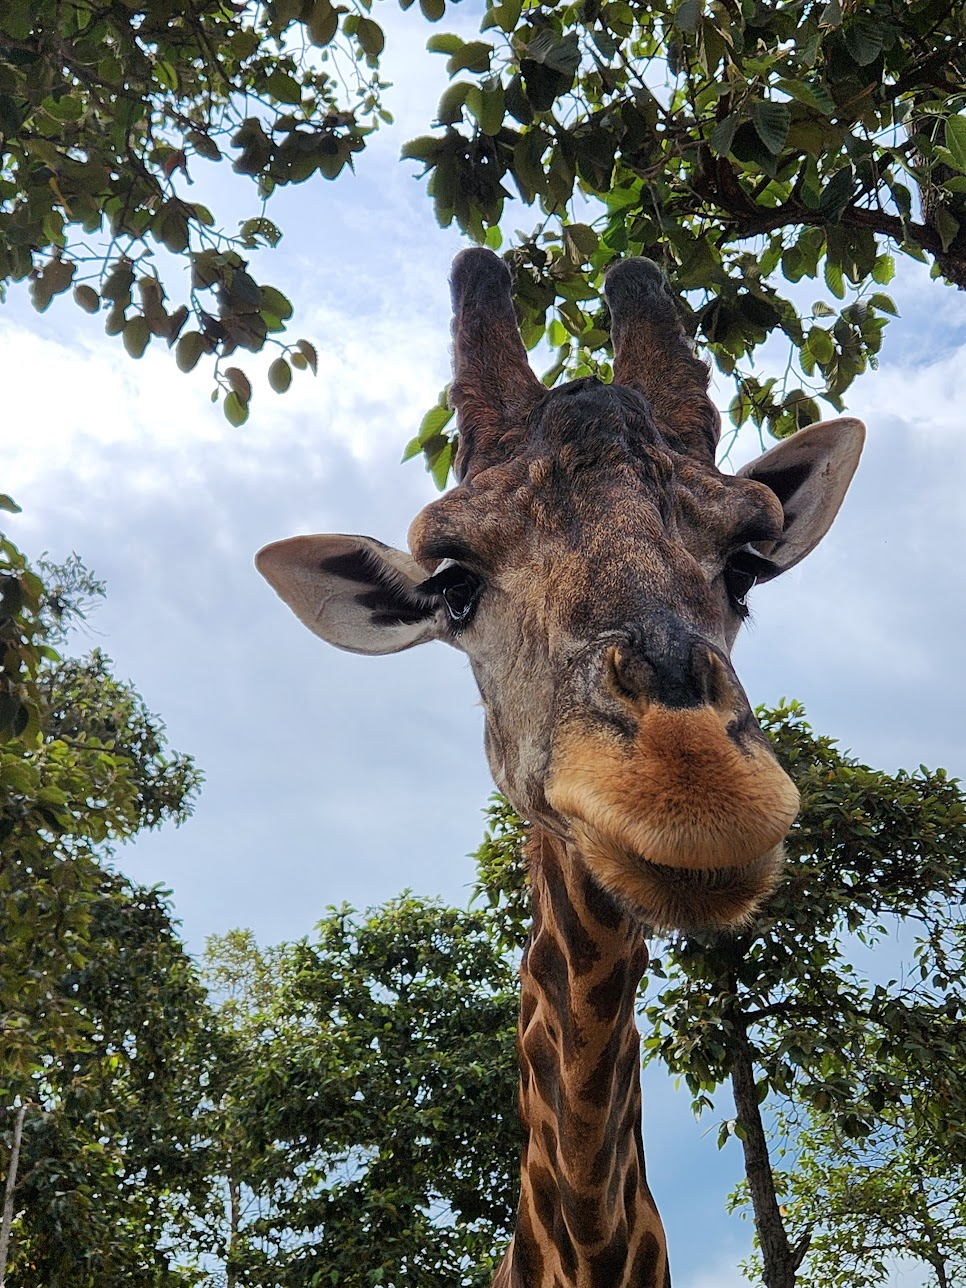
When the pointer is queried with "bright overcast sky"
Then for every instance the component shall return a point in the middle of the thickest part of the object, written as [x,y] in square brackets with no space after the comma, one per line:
[332,777]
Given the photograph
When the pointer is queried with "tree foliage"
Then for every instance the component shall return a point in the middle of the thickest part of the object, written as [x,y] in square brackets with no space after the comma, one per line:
[97,997]
[365,1101]
[865,1203]
[83,764]
[770,156]
[108,111]
[112,1173]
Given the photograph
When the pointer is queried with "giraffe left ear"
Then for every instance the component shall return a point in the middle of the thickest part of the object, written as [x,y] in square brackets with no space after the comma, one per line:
[810,474]
[353,592]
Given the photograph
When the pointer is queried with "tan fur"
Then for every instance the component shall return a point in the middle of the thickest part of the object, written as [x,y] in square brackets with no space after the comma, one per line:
[684,795]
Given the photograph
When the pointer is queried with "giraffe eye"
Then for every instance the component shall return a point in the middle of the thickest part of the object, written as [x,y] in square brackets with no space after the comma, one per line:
[742,571]
[460,591]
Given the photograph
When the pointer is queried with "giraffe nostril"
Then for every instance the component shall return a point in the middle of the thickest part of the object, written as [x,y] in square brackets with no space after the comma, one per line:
[630,674]
[712,679]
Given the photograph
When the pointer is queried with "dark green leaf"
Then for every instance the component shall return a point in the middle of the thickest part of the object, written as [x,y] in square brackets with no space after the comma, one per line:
[280,375]
[771,121]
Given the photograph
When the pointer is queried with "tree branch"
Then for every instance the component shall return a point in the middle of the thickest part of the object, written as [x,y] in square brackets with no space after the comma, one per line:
[11,1184]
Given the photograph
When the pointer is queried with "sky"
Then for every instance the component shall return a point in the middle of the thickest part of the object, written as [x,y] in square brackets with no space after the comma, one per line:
[331,777]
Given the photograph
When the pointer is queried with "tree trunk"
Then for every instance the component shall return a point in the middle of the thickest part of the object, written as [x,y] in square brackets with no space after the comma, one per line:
[13,1164]
[234,1221]
[779,1259]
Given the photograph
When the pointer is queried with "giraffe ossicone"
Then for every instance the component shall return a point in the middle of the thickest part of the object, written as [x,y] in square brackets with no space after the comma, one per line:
[593,564]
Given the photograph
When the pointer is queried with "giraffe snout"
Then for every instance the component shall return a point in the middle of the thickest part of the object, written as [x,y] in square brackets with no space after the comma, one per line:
[690,674]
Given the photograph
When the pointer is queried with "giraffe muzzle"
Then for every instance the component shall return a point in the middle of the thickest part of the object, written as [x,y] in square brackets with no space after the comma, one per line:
[686,819]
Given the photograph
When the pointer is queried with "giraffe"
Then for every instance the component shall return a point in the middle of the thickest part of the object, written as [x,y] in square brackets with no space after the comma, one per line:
[594,565]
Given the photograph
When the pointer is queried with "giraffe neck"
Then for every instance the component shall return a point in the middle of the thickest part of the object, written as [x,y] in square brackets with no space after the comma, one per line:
[586,1217]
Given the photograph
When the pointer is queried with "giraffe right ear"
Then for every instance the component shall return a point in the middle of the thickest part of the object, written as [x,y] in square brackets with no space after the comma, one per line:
[353,592]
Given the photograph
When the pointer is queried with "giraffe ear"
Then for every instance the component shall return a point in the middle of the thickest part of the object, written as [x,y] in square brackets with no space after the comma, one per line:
[353,592]
[810,474]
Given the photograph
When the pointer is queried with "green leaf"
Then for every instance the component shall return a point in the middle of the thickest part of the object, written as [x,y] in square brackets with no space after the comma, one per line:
[444,43]
[87,298]
[583,238]
[189,349]
[284,88]
[834,279]
[371,37]
[280,375]
[811,93]
[946,224]
[863,38]
[450,109]
[771,121]
[239,383]
[322,23]
[441,463]
[137,335]
[488,106]
[884,270]
[6,503]
[838,192]
[884,303]
[275,303]
[434,422]
[236,412]
[955,137]
[687,15]
[474,56]
[820,344]
[723,134]
[432,10]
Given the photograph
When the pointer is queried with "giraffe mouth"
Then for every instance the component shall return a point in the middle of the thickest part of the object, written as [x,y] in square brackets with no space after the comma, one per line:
[697,898]
[665,897]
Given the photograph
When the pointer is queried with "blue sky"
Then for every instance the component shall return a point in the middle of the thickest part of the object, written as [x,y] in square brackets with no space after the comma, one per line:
[332,777]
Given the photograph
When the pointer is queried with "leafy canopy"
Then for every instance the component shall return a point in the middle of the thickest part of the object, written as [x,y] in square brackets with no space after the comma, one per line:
[107,112]
[771,156]
[83,764]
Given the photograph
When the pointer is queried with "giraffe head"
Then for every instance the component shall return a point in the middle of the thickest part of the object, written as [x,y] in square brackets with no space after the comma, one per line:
[593,564]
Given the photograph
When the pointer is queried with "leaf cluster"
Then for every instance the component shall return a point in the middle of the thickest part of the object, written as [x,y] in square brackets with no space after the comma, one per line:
[366,1116]
[106,112]
[757,151]
[111,1168]
[83,764]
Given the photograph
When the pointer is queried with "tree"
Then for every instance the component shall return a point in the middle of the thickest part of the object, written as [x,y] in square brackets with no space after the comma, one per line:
[112,1170]
[738,142]
[866,1202]
[746,146]
[105,110]
[83,764]
[364,1104]
[782,1012]
[96,993]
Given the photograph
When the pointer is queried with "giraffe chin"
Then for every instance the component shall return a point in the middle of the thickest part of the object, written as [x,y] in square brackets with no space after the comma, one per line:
[674,898]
